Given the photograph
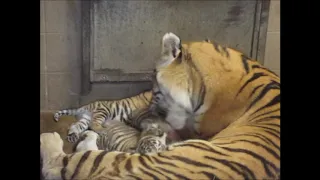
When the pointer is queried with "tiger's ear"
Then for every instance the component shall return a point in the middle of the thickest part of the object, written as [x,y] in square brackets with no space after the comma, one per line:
[171,48]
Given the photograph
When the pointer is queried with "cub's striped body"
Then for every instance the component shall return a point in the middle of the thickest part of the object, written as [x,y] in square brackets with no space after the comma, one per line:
[214,93]
[94,115]
[118,136]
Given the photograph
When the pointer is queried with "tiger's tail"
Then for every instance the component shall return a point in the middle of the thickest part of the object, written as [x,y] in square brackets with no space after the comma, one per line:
[65,112]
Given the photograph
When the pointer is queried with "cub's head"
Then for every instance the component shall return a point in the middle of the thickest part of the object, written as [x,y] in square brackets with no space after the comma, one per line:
[153,129]
[152,144]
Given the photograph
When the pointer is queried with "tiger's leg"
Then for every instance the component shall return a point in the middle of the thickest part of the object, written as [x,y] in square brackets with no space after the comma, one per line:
[93,122]
[80,126]
[97,122]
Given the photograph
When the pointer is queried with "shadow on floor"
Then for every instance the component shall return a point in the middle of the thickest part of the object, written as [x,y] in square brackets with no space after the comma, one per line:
[47,124]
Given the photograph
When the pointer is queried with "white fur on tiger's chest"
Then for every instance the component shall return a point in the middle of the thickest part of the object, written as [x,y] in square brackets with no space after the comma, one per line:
[178,104]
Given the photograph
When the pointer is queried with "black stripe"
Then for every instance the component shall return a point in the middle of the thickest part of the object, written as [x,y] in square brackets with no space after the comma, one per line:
[273,102]
[126,107]
[226,51]
[121,115]
[83,123]
[266,69]
[265,128]
[179,176]
[263,92]
[128,166]
[107,110]
[267,118]
[141,160]
[79,165]
[245,63]
[263,138]
[216,47]
[65,162]
[230,165]
[117,108]
[255,89]
[254,77]
[135,177]
[245,171]
[146,99]
[132,103]
[97,161]
[98,173]
[150,168]
[114,113]
[163,163]
[268,124]
[191,162]
[120,141]
[141,115]
[164,156]
[260,136]
[149,174]
[147,157]
[271,133]
[255,66]
[210,150]
[274,154]
[102,112]
[269,112]
[201,99]
[210,176]
[156,93]
[265,162]
[202,93]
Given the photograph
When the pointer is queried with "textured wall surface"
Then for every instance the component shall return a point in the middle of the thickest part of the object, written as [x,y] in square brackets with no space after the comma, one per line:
[60,41]
[60,44]
[272,53]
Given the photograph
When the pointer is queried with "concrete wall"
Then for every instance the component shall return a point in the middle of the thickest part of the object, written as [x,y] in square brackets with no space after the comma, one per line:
[60,41]
[272,52]
[60,44]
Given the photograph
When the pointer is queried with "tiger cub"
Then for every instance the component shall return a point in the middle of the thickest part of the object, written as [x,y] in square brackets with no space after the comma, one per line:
[152,140]
[93,115]
[117,136]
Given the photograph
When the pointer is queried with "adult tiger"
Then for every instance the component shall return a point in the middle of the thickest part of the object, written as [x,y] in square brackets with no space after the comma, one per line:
[218,94]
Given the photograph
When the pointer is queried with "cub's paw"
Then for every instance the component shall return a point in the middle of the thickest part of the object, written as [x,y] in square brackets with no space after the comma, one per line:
[73,134]
[73,137]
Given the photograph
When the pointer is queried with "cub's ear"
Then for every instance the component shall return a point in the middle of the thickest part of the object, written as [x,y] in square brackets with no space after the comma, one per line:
[171,47]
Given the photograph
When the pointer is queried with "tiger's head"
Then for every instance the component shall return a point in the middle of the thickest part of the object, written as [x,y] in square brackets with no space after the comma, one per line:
[197,77]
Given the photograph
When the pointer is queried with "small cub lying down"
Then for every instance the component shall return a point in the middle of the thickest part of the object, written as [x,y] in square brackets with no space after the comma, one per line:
[117,136]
